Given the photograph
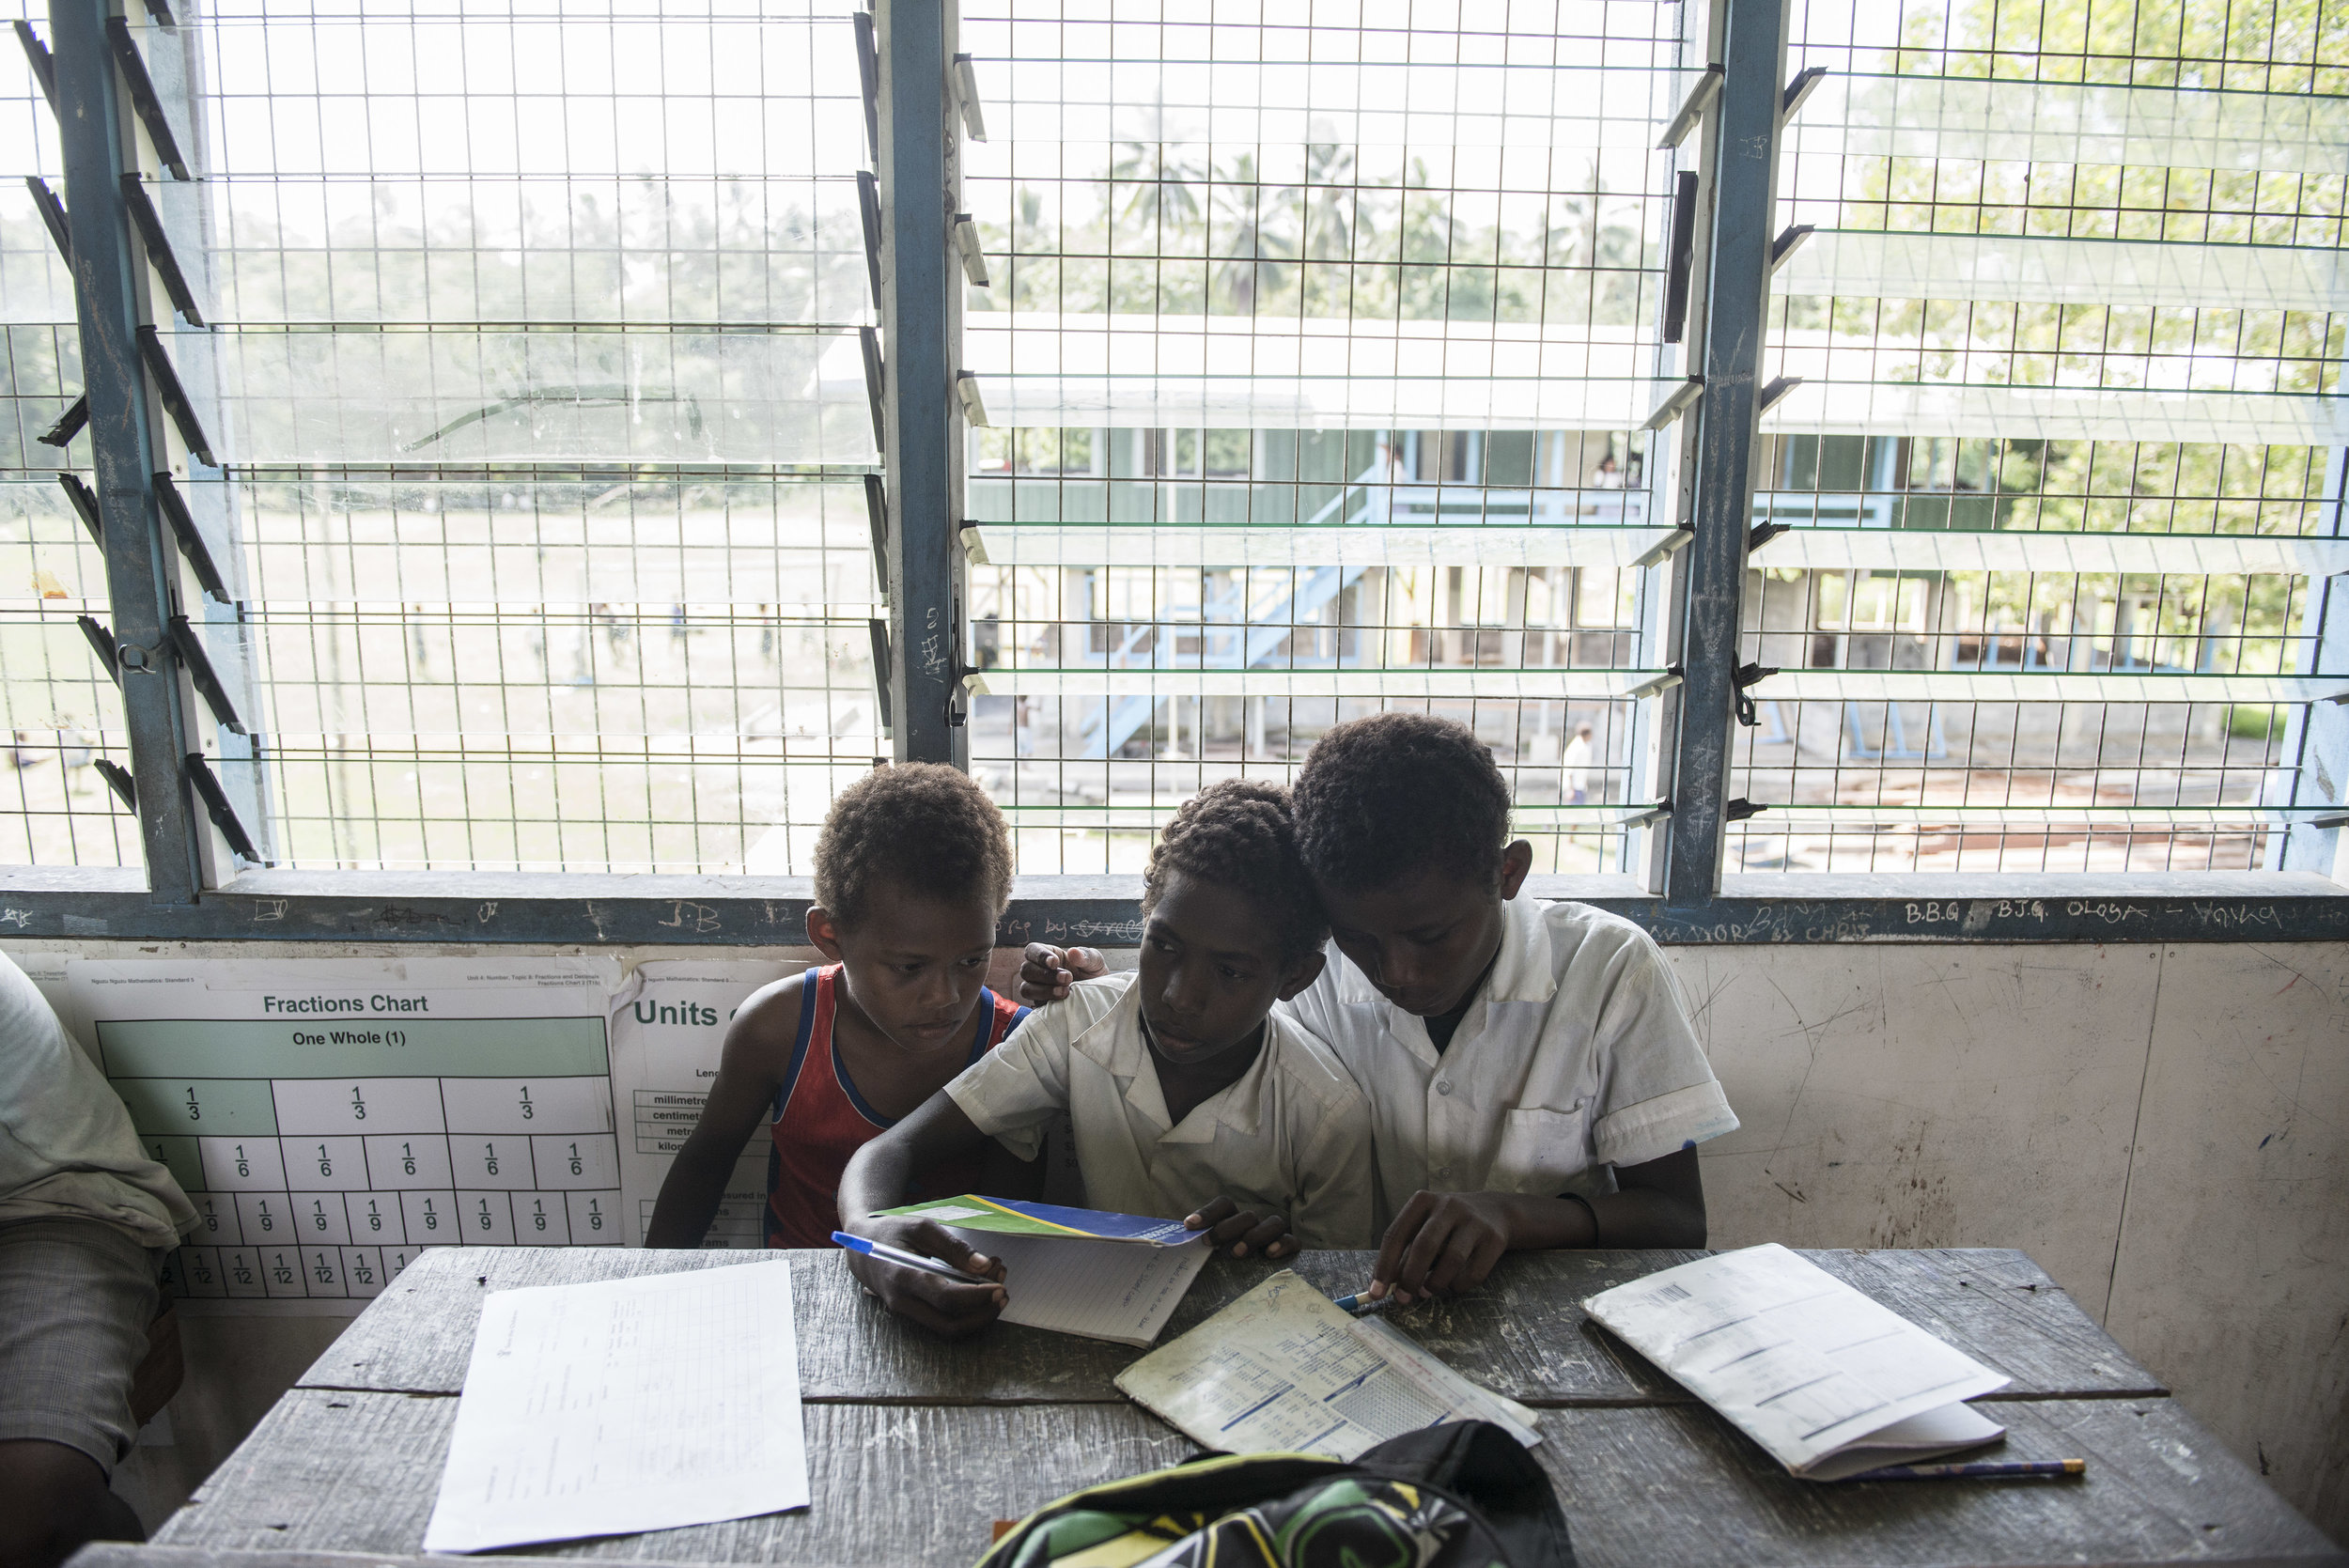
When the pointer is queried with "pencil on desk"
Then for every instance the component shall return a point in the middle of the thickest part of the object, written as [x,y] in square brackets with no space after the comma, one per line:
[1987,1469]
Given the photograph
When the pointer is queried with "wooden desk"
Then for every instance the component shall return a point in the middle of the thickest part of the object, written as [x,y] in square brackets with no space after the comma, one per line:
[915,1446]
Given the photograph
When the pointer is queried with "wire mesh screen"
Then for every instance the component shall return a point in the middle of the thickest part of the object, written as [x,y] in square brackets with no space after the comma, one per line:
[2063,480]
[1313,352]
[533,345]
[1310,354]
[62,711]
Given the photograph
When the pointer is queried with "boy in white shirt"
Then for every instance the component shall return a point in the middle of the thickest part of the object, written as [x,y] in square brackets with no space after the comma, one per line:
[1189,1097]
[1533,1077]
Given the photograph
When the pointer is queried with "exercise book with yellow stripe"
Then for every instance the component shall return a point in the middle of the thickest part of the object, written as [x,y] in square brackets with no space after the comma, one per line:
[1088,1272]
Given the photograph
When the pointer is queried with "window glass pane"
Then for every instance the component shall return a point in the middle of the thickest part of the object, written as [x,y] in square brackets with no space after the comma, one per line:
[2064,470]
[1317,381]
[63,712]
[536,365]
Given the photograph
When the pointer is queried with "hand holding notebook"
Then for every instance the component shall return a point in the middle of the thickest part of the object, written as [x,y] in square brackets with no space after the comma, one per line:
[1103,1276]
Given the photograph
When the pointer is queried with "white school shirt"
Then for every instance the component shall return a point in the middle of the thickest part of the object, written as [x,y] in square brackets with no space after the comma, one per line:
[1293,1134]
[66,1149]
[1576,1057]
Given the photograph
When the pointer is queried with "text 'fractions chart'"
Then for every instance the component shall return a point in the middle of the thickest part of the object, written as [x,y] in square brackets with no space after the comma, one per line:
[330,1119]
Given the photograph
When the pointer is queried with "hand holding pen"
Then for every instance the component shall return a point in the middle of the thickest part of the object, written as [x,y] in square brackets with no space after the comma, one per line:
[924,1272]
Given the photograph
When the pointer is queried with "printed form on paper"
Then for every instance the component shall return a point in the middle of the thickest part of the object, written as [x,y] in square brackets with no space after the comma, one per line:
[1830,1382]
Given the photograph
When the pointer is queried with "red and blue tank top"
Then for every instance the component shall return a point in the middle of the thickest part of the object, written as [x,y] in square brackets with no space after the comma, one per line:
[820,1119]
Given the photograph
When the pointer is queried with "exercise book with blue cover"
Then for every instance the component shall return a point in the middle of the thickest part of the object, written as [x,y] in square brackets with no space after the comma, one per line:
[1116,1276]
[1017,1216]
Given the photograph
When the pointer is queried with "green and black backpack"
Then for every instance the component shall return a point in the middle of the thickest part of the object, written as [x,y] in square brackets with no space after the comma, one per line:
[1464,1495]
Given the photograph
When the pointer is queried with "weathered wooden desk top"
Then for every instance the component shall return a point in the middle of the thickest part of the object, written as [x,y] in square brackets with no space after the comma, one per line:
[951,1438]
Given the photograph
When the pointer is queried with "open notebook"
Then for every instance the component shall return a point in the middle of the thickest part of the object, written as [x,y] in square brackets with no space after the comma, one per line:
[1282,1370]
[1828,1381]
[1088,1272]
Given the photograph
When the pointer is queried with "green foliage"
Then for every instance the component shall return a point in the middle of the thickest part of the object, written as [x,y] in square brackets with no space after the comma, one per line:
[2284,46]
[2250,724]
[1164,229]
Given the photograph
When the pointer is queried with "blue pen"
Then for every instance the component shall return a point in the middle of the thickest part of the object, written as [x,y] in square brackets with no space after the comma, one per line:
[1359,1305]
[904,1259]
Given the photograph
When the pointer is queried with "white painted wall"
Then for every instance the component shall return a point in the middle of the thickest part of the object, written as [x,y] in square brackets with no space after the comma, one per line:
[2164,1129]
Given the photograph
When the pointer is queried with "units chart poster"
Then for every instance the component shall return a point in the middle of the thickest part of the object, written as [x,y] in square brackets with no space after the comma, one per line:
[330,1118]
[669,1023]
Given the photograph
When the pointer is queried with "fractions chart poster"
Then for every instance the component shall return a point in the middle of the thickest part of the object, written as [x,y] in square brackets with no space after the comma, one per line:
[669,1023]
[330,1118]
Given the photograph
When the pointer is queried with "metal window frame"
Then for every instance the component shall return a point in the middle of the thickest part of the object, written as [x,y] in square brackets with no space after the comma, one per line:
[1677,891]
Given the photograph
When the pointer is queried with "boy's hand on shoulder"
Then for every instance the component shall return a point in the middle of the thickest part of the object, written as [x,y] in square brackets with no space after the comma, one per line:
[1046,971]
[1442,1242]
[947,1308]
[1244,1231]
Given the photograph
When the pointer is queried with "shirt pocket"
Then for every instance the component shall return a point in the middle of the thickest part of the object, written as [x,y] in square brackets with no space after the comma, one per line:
[1542,1150]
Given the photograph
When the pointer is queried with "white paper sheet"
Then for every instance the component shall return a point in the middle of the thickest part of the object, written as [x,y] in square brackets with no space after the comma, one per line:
[1282,1369]
[1934,1433]
[1102,1290]
[1800,1361]
[626,1404]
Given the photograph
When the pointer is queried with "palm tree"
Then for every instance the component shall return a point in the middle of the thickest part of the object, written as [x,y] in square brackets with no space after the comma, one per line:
[1251,257]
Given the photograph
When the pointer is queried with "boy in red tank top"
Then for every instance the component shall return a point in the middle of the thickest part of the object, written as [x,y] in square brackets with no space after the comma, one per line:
[912,869]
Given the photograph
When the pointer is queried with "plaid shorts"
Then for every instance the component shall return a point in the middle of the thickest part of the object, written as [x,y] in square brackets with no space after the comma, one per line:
[76,1297]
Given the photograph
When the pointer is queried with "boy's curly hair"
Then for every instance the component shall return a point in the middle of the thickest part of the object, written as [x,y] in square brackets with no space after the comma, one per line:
[1381,799]
[1237,833]
[929,828]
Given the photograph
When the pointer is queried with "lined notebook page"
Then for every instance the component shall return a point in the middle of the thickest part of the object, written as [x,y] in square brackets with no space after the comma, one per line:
[1102,1290]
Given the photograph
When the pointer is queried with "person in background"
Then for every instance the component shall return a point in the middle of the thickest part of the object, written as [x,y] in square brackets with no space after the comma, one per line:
[1533,1077]
[1192,1099]
[86,1220]
[912,870]
[1576,763]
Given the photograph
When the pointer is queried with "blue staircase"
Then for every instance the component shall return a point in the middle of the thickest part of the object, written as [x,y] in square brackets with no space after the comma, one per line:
[1233,636]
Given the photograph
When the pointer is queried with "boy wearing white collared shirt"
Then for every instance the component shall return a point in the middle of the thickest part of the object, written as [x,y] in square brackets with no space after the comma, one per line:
[1533,1076]
[1575,1059]
[1190,1100]
[1290,1136]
